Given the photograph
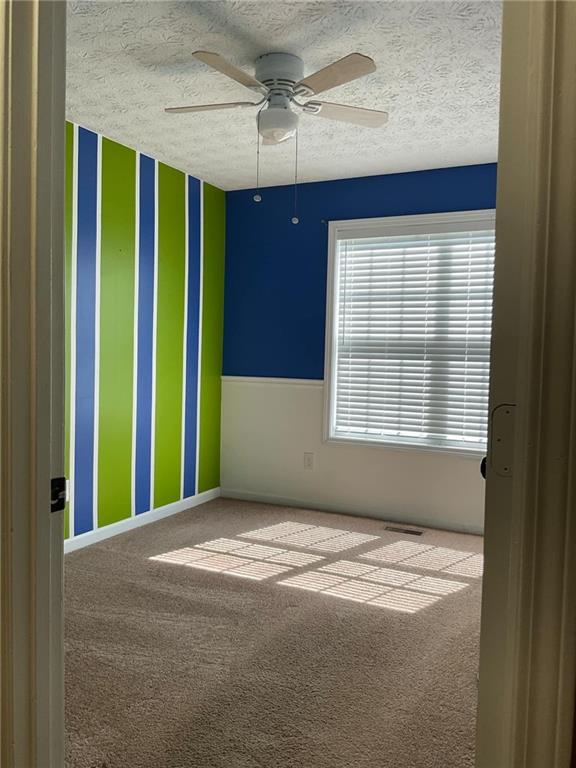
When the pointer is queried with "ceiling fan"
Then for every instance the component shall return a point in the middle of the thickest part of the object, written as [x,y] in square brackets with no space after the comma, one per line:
[279,80]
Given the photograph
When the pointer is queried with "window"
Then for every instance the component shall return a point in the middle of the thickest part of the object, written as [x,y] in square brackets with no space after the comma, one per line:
[408,334]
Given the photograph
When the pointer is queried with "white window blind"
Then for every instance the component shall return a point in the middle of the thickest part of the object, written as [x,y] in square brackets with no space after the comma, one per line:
[411,324]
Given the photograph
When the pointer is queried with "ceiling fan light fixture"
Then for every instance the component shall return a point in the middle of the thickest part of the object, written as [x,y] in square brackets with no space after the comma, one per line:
[279,79]
[277,124]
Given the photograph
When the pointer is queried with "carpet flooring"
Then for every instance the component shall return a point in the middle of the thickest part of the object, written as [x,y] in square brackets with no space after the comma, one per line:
[189,661]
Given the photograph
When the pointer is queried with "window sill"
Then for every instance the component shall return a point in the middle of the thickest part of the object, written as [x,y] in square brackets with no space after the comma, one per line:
[464,453]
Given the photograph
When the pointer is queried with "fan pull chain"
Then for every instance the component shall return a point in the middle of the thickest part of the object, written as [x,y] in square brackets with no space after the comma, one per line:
[258,197]
[295,219]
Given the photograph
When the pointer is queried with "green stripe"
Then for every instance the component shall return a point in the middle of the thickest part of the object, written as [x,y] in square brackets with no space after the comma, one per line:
[169,334]
[68,306]
[212,334]
[118,210]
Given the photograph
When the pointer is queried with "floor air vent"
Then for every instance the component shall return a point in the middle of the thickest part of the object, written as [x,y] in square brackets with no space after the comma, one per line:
[397,529]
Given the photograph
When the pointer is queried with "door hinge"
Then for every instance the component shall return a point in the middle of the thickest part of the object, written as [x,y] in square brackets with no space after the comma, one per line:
[501,450]
[58,494]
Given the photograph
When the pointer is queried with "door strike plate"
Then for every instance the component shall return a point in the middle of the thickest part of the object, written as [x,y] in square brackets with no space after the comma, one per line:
[502,439]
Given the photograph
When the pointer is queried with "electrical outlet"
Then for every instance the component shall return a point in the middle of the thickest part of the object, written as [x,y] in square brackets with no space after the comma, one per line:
[308,461]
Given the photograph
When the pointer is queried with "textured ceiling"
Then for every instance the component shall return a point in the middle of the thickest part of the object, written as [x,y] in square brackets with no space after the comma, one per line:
[438,77]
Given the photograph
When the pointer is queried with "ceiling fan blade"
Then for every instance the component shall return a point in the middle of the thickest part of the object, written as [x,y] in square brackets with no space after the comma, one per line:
[219,63]
[211,107]
[342,71]
[370,118]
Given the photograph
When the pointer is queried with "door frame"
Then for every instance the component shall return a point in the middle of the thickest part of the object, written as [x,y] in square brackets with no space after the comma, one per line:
[32,97]
[527,647]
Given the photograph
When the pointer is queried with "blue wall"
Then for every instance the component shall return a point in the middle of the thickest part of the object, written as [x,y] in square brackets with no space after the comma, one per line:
[275,301]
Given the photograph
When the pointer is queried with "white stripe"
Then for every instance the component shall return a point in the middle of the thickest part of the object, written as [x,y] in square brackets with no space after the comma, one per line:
[97,332]
[186,268]
[73,299]
[154,323]
[135,361]
[200,306]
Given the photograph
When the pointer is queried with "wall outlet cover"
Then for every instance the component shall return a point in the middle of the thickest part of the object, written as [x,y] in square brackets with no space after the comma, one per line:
[308,461]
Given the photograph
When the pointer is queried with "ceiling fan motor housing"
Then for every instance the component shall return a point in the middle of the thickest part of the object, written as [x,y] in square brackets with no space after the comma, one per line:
[279,72]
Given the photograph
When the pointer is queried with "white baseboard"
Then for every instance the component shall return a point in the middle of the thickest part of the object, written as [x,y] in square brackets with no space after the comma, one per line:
[85,539]
[343,509]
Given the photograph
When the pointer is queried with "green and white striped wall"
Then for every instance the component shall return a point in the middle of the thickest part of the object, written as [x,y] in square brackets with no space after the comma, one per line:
[144,319]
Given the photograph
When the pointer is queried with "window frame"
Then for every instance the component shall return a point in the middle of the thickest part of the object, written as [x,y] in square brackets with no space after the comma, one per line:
[386,226]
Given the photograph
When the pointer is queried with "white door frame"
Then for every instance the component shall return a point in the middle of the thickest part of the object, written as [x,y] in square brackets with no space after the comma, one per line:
[32,91]
[527,680]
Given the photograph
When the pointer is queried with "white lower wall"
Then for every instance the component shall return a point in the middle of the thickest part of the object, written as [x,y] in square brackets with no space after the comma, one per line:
[268,424]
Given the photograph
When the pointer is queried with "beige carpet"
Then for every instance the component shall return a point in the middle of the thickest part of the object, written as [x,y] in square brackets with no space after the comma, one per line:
[171,666]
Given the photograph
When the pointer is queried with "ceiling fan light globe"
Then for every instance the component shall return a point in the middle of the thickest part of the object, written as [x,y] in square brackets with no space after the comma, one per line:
[277,136]
[277,124]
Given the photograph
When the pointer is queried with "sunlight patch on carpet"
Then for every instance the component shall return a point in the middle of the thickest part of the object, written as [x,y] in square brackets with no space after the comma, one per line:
[348,568]
[403,601]
[317,537]
[429,558]
[472,567]
[391,577]
[391,588]
[396,552]
[258,571]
